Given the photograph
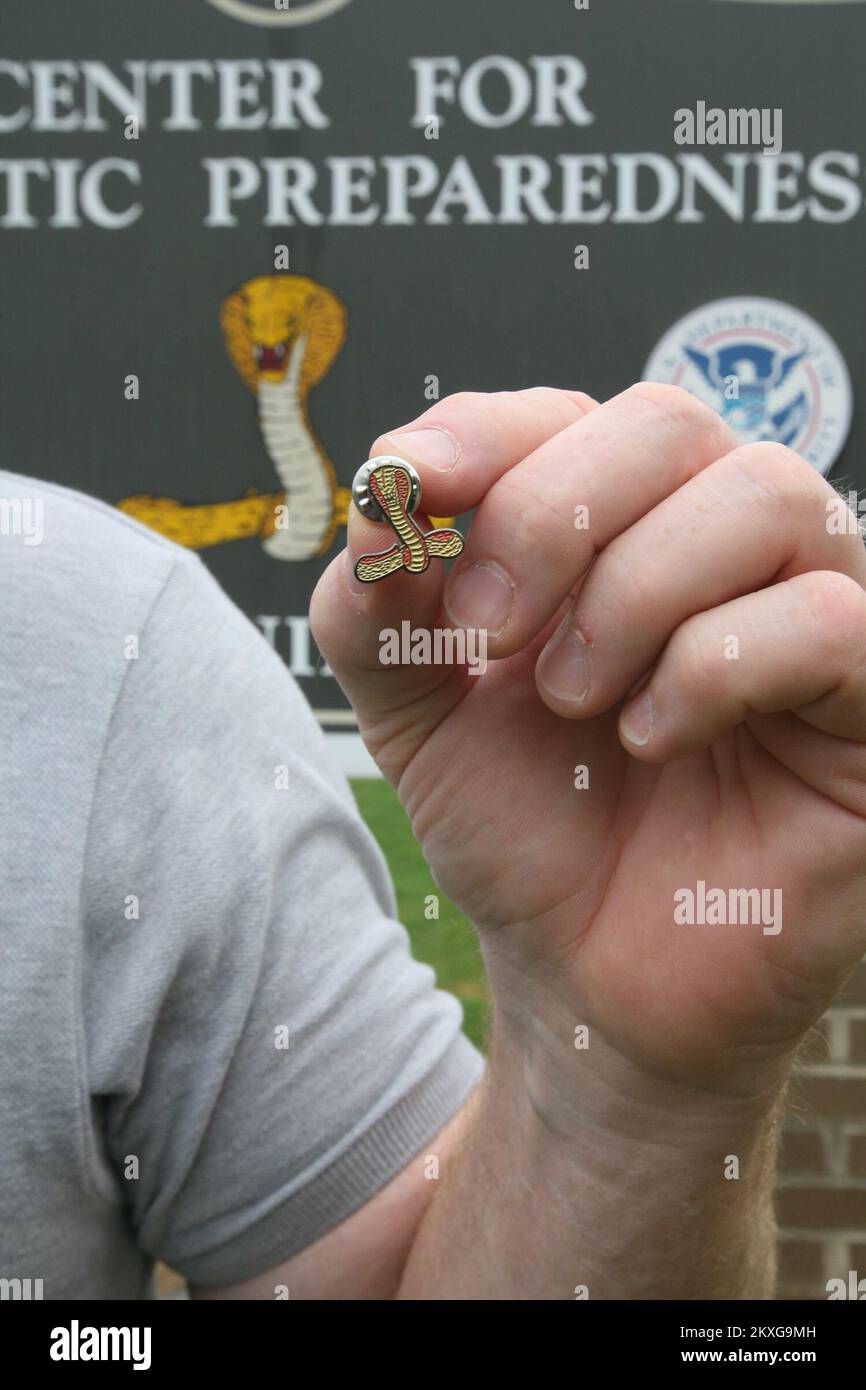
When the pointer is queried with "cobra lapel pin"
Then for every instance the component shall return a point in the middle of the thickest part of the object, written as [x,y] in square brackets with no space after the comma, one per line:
[388,489]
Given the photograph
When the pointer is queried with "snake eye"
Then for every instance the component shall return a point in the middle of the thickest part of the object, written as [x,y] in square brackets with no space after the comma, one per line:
[280,349]
[257,352]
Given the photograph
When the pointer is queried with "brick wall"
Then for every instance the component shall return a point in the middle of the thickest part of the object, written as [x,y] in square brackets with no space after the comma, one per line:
[821,1199]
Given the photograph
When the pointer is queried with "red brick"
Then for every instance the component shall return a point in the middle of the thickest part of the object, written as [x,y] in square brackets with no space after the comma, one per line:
[802,1153]
[857,1156]
[827,1208]
[857,1040]
[840,1097]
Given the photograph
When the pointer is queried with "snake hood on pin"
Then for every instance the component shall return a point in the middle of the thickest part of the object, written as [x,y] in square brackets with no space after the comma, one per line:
[388,489]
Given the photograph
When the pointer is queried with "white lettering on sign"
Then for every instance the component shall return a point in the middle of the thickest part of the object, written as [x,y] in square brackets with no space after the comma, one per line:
[495,92]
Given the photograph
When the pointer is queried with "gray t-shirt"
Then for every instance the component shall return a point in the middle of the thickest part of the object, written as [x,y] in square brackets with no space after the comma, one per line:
[214,1043]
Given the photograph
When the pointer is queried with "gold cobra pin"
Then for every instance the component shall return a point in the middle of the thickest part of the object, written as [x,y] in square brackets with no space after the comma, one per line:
[388,489]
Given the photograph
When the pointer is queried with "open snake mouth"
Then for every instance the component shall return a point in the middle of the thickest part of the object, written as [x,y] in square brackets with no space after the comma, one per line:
[271,359]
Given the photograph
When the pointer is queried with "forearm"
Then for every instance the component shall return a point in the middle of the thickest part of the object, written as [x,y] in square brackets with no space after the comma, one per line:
[620,1191]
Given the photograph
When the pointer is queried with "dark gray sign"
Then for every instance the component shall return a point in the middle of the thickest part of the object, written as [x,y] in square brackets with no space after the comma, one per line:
[242,239]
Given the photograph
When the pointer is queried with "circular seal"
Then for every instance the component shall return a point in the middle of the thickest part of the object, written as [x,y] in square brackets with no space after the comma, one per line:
[275,12]
[770,371]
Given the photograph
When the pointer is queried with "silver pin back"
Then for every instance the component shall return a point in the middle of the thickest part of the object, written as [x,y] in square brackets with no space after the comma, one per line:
[364,499]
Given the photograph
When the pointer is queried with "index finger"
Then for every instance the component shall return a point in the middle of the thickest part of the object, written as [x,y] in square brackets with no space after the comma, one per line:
[464,443]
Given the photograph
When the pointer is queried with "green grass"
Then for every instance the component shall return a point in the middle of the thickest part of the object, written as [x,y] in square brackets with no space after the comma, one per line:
[449,944]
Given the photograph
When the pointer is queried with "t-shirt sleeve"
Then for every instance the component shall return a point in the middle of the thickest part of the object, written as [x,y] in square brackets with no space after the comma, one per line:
[262,1053]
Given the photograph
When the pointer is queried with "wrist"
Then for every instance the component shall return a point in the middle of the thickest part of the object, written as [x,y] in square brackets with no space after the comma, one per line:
[576,1080]
[591,1089]
[666,1192]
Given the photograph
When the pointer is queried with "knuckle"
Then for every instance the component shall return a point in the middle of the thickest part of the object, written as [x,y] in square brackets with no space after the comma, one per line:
[621,569]
[464,401]
[792,487]
[697,658]
[679,406]
[549,409]
[556,396]
[778,471]
[582,399]
[837,603]
[532,523]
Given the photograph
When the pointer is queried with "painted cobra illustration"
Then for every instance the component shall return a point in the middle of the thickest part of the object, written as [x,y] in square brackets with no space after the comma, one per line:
[283,334]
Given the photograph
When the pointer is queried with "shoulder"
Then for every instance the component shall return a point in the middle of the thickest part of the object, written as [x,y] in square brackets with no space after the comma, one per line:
[101,614]
[50,533]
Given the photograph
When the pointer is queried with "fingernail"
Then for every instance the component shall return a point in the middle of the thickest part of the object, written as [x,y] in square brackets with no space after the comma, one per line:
[433,447]
[563,667]
[637,720]
[480,596]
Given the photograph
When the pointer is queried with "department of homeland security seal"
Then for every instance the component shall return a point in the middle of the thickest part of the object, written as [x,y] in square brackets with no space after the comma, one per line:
[770,371]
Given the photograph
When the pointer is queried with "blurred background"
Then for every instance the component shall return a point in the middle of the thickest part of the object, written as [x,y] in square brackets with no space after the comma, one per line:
[242,239]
